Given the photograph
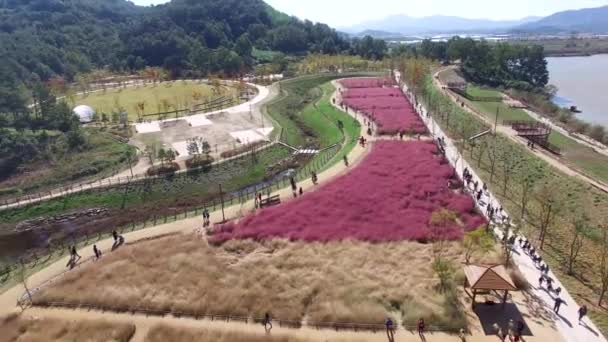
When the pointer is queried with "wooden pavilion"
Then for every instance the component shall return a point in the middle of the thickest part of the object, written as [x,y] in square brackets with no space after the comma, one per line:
[483,279]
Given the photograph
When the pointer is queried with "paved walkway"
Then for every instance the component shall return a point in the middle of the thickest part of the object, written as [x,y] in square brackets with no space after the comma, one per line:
[567,320]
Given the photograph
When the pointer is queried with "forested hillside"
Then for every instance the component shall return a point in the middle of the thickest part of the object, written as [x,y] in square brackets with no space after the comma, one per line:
[42,38]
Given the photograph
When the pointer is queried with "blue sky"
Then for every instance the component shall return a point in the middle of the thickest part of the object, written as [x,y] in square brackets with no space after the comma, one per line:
[339,13]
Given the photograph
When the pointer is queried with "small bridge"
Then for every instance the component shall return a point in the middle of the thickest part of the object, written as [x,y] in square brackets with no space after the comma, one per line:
[535,132]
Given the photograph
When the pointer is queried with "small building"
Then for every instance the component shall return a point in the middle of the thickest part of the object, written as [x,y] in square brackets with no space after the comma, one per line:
[484,279]
[85,113]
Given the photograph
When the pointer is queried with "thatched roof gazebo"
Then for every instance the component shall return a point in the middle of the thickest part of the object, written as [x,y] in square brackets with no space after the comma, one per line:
[486,278]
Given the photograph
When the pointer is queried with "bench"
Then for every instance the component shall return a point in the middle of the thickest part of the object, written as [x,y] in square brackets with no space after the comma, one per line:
[270,201]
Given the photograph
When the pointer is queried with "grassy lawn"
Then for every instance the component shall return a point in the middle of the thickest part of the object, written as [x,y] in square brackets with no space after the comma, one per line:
[482,92]
[103,156]
[178,94]
[294,113]
[573,195]
[505,113]
[573,153]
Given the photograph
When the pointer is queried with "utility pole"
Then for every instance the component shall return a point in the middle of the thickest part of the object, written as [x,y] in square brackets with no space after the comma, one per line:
[222,200]
[496,120]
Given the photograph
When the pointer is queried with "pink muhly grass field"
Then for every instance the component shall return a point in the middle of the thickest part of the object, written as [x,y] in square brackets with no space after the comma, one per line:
[389,196]
[381,102]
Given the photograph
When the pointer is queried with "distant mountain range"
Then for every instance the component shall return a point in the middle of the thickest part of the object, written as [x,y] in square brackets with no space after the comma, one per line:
[402,24]
[590,20]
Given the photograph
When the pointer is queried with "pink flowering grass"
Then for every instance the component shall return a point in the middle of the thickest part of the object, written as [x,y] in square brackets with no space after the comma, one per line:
[390,196]
[379,100]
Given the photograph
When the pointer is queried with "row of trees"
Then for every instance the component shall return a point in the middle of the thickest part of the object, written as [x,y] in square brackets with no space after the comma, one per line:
[560,211]
[500,64]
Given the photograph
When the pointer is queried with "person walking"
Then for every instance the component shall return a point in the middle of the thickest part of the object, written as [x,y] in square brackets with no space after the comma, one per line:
[390,329]
[421,327]
[97,252]
[582,312]
[558,303]
[75,254]
[267,322]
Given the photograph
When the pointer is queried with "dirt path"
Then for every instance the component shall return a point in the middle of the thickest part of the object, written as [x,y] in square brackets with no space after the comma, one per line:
[512,135]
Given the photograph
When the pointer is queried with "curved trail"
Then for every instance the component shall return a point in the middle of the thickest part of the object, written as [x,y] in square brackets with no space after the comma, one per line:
[265,95]
[512,135]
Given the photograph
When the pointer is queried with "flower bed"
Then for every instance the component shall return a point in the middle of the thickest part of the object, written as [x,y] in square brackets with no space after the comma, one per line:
[390,196]
[382,103]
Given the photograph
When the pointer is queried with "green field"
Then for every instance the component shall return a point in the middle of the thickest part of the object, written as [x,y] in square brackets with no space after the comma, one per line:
[577,155]
[482,92]
[162,97]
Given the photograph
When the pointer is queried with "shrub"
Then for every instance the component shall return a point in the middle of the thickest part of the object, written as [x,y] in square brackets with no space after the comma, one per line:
[167,168]
[519,279]
[198,161]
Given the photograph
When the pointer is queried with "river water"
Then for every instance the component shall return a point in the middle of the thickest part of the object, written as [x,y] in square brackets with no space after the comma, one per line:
[582,82]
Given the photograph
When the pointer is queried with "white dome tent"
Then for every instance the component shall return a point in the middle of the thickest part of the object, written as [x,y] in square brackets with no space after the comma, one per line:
[85,113]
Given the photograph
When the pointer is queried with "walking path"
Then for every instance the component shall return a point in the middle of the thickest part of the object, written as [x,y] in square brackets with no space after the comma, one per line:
[265,95]
[512,134]
[567,320]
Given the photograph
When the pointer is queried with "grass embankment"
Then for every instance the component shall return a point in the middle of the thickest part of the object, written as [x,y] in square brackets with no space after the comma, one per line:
[102,156]
[177,94]
[193,187]
[573,153]
[348,281]
[571,199]
[294,110]
[34,329]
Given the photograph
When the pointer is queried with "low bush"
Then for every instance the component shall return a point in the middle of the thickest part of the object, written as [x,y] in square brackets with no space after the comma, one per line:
[167,168]
[198,161]
[242,149]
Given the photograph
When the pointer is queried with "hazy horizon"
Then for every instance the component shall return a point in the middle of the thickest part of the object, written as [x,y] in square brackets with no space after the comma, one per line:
[345,13]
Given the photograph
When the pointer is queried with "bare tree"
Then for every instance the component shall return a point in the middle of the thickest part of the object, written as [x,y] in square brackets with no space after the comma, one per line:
[550,202]
[604,266]
[528,177]
[510,161]
[22,276]
[580,224]
[493,155]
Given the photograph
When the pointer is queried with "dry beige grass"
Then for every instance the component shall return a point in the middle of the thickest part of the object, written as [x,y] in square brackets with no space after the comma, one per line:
[16,328]
[333,282]
[164,333]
